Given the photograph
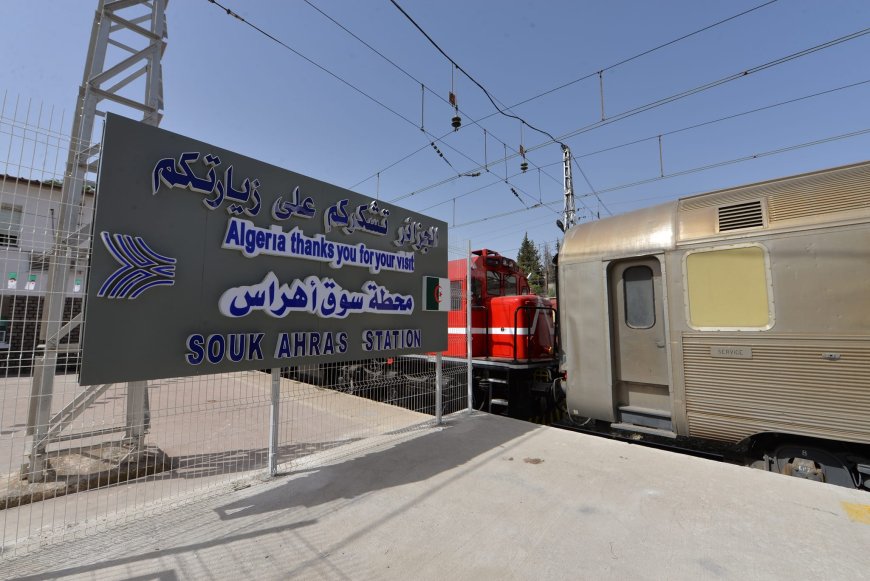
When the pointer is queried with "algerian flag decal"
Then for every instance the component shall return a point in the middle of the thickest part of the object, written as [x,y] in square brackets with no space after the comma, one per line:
[436,293]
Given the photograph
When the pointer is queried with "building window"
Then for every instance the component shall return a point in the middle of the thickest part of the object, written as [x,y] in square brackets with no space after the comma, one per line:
[493,284]
[640,309]
[10,226]
[455,295]
[728,289]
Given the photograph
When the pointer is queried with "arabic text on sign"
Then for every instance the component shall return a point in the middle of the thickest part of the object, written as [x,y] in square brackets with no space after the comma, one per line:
[179,174]
[322,297]
[415,235]
[368,218]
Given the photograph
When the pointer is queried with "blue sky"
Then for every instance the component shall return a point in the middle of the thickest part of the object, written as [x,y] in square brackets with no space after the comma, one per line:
[231,86]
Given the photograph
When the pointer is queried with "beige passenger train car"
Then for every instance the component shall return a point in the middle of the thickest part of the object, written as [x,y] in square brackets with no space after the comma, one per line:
[741,315]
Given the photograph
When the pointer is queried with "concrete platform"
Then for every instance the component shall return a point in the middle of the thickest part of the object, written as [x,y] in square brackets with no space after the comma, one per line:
[486,497]
[215,431]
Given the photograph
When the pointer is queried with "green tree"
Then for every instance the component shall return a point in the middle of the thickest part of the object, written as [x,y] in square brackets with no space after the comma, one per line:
[529,261]
[549,269]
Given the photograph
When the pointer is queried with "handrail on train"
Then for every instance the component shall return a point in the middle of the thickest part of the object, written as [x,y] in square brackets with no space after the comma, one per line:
[528,336]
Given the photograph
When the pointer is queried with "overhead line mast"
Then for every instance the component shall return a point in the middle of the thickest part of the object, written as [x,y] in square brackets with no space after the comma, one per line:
[569,210]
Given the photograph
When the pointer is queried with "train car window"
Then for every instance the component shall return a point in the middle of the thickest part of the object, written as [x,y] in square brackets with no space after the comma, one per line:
[728,289]
[510,284]
[455,295]
[640,310]
[493,284]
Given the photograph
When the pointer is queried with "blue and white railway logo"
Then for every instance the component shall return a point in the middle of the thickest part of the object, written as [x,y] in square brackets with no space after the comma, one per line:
[141,267]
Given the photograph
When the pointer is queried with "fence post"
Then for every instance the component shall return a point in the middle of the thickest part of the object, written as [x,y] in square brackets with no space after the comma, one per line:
[439,395]
[469,339]
[273,421]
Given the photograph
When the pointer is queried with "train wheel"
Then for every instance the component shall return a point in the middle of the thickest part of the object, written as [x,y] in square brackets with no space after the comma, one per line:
[812,463]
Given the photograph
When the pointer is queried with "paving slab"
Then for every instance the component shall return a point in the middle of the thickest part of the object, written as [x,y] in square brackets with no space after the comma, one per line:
[486,497]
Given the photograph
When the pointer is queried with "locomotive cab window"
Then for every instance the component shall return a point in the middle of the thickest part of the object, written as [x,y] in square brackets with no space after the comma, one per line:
[640,310]
[728,289]
[493,284]
[510,284]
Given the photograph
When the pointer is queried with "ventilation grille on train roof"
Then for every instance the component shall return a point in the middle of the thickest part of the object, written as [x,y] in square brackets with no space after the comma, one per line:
[738,216]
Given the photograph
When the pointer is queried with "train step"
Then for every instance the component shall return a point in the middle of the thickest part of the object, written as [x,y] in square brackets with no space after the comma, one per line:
[643,429]
[647,417]
[497,402]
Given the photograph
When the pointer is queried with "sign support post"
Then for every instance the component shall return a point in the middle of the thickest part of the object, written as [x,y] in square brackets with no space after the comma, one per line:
[137,392]
[469,339]
[273,421]
[439,374]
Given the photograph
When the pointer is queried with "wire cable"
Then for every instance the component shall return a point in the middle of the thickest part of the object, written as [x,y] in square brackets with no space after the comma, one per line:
[675,97]
[470,78]
[241,19]
[673,132]
[685,172]
[549,91]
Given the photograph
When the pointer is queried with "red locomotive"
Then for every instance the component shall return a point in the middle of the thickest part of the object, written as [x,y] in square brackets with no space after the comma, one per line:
[513,350]
[513,332]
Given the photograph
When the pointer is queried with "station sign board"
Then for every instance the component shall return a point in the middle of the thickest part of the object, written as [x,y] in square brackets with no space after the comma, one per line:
[207,261]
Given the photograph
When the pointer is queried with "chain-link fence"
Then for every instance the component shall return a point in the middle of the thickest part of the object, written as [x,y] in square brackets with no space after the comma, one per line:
[110,452]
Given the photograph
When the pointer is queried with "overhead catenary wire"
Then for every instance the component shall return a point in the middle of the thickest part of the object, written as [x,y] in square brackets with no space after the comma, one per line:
[492,100]
[733,161]
[685,172]
[456,66]
[467,75]
[721,119]
[241,19]
[675,97]
[562,86]
[772,63]
[637,56]
[412,77]
[734,76]
[680,130]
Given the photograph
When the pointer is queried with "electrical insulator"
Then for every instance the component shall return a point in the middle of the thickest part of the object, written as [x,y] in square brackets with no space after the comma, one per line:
[456,122]
[524,166]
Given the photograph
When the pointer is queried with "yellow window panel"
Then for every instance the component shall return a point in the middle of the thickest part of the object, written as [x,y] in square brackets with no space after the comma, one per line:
[728,288]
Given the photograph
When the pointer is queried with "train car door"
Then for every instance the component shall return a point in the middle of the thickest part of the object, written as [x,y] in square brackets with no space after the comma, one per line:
[640,355]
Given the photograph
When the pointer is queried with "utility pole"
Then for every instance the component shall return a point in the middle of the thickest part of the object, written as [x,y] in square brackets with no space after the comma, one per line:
[568,212]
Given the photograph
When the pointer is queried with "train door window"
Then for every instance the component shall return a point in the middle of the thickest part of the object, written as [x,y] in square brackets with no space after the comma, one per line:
[510,284]
[10,225]
[640,311]
[728,289]
[493,284]
[455,295]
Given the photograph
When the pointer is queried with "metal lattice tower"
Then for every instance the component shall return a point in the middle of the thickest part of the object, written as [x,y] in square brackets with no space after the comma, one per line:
[122,72]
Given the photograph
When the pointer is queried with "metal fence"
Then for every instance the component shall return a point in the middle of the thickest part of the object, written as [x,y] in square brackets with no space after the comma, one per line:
[202,435]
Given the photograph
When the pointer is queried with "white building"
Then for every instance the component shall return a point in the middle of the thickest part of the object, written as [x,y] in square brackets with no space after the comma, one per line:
[29,217]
